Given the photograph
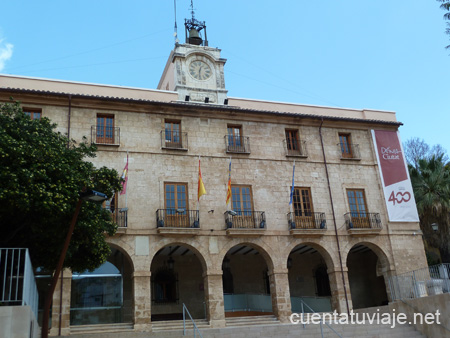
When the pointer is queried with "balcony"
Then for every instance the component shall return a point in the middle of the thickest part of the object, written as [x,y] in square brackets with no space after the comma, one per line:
[120,217]
[180,222]
[349,151]
[363,223]
[105,135]
[307,224]
[174,140]
[295,148]
[245,223]
[237,144]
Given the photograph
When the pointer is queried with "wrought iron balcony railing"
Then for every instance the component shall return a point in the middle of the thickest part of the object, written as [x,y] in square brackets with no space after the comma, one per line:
[177,218]
[119,216]
[349,151]
[363,220]
[311,220]
[237,144]
[245,219]
[174,140]
[295,148]
[105,135]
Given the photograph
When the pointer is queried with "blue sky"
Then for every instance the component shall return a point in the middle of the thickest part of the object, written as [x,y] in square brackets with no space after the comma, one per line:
[386,55]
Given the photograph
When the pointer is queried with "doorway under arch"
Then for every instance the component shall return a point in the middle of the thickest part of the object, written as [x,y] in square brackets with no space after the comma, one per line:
[366,279]
[177,279]
[246,283]
[105,295]
[309,284]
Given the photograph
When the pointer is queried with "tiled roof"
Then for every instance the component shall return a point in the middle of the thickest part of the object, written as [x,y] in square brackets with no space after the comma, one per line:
[203,106]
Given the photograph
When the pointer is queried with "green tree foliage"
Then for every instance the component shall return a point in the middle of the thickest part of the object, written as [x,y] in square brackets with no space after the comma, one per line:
[41,175]
[446,7]
[431,184]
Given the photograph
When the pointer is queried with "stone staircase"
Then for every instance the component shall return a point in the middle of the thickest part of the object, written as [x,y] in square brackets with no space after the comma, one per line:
[177,325]
[103,328]
[251,327]
[252,321]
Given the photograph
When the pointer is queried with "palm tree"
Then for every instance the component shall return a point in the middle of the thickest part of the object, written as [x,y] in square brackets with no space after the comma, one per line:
[431,185]
[446,7]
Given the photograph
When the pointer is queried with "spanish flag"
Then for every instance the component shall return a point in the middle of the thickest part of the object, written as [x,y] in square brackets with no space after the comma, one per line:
[201,186]
[229,184]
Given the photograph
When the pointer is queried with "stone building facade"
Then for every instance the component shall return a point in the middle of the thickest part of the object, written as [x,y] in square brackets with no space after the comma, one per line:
[256,255]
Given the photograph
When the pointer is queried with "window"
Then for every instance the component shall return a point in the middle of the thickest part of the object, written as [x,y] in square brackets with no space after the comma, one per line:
[303,209]
[241,199]
[105,129]
[165,286]
[173,134]
[242,204]
[292,142]
[346,145]
[302,202]
[358,208]
[97,296]
[235,139]
[176,204]
[34,114]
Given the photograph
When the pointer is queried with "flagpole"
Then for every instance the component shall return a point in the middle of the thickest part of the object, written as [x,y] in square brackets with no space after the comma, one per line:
[126,191]
[291,196]
[198,179]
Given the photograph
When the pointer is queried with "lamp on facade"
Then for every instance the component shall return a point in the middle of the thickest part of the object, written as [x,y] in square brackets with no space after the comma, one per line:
[86,195]
[435,226]
[226,263]
[170,263]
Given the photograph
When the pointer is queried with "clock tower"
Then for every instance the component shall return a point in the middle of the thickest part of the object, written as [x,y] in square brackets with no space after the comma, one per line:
[195,70]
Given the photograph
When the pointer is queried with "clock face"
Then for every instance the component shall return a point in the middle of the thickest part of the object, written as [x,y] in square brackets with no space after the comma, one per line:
[199,70]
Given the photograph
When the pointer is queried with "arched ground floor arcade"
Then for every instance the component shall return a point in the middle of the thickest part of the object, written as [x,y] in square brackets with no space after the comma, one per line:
[148,279]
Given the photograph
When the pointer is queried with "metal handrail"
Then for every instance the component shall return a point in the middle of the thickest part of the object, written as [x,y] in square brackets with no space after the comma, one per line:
[307,220]
[321,319]
[185,310]
[105,135]
[177,218]
[295,148]
[363,220]
[17,281]
[245,219]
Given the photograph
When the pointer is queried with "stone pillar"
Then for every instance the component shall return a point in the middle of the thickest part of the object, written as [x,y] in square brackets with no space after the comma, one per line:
[280,293]
[142,301]
[60,320]
[338,301]
[215,309]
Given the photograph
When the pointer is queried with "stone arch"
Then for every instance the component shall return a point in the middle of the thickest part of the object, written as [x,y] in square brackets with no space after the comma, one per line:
[386,263]
[331,264]
[105,295]
[267,254]
[198,254]
[302,259]
[368,268]
[124,252]
[249,269]
[124,247]
[177,270]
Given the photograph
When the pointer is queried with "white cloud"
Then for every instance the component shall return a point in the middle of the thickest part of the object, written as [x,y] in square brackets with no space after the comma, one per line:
[6,51]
